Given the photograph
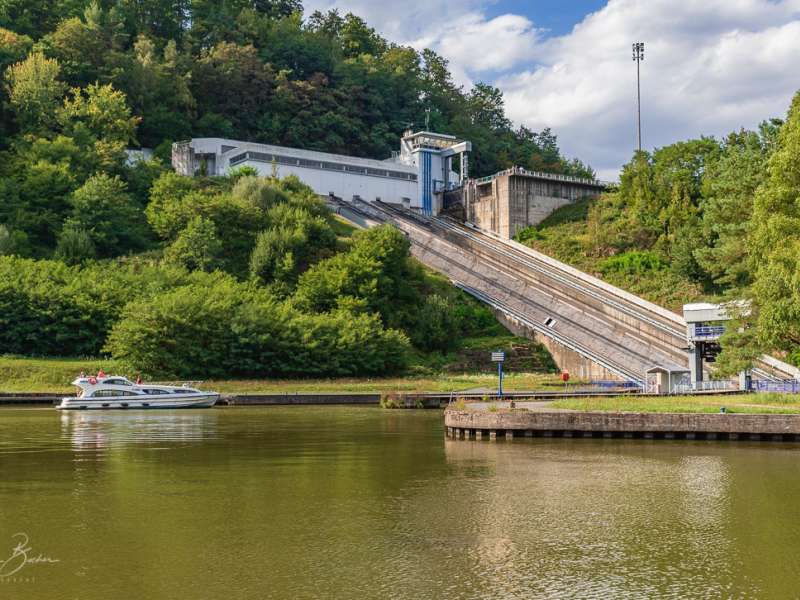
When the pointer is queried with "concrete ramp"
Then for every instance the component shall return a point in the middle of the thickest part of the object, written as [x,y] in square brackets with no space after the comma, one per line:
[591,328]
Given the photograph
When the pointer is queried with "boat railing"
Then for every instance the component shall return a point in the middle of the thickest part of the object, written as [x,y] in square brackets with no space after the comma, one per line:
[177,383]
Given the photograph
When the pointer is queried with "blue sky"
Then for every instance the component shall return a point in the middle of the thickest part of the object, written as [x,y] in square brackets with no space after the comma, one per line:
[711,66]
[557,16]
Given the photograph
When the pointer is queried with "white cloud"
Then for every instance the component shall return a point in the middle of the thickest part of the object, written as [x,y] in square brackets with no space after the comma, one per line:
[476,45]
[710,67]
[400,22]
[459,31]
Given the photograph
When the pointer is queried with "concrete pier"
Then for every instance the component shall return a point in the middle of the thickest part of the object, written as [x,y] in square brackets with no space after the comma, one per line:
[652,426]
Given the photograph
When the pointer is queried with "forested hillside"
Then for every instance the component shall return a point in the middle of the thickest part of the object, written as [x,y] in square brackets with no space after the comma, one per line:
[704,218]
[230,276]
[82,81]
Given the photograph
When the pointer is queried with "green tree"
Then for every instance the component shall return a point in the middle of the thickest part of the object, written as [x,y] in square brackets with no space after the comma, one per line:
[374,276]
[35,92]
[80,48]
[197,247]
[248,83]
[729,187]
[775,242]
[113,221]
[98,115]
[294,240]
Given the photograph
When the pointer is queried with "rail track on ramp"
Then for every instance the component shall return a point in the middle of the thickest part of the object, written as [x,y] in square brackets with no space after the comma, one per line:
[616,330]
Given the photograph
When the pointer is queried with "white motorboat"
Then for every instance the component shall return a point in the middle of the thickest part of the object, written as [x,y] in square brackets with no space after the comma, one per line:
[113,391]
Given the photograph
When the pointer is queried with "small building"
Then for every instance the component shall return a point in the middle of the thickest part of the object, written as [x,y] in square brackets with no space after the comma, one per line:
[415,175]
[511,200]
[135,155]
[705,324]
[662,379]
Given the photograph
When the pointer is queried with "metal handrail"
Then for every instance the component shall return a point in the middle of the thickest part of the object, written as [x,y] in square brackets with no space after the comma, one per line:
[787,386]
[543,175]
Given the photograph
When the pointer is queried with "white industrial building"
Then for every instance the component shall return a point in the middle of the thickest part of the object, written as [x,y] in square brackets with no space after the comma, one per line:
[422,167]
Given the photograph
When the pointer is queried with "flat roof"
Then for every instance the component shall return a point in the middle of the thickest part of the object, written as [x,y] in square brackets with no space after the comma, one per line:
[701,306]
[430,134]
[314,155]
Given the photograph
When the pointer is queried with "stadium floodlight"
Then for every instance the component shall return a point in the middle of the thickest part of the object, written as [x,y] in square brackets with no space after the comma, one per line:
[638,56]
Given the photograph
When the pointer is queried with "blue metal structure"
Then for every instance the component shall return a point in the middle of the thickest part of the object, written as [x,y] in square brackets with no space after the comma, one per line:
[427,183]
[787,386]
[708,331]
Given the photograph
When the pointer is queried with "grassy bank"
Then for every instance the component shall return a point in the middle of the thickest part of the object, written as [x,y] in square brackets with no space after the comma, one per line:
[54,375]
[744,403]
[565,236]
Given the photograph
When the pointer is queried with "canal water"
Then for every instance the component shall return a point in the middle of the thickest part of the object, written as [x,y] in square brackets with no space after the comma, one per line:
[340,502]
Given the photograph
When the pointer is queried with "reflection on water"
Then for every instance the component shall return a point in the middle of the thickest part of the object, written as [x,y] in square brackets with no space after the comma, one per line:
[358,502]
[97,430]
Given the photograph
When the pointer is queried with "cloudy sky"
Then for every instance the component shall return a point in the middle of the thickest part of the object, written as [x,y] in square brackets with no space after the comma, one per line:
[710,66]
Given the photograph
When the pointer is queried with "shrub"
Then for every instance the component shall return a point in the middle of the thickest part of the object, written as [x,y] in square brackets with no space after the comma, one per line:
[260,192]
[75,245]
[437,327]
[375,273]
[528,234]
[240,172]
[13,242]
[632,263]
[294,240]
[166,196]
[390,400]
[49,308]
[44,312]
[229,329]
[180,333]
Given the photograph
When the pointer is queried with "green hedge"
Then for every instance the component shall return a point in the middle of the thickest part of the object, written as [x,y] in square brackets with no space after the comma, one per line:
[233,329]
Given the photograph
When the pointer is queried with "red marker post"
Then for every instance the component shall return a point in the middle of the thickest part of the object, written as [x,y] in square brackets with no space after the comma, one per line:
[565,378]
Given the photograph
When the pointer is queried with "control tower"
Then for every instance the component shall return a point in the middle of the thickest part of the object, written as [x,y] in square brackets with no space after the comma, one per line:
[433,154]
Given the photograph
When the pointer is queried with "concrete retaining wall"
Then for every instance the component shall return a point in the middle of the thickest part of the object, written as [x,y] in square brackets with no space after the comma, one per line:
[299,399]
[406,400]
[29,398]
[579,367]
[513,200]
[522,422]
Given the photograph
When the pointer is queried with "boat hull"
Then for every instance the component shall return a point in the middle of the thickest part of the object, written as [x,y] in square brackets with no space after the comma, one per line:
[136,403]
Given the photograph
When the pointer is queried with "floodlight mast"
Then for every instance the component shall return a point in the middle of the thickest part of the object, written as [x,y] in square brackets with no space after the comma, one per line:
[638,56]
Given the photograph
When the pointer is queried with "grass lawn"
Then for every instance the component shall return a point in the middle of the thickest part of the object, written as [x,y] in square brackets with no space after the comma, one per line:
[55,374]
[740,403]
[565,236]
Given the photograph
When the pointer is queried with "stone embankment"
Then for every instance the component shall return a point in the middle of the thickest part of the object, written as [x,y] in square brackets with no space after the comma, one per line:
[285,399]
[466,424]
